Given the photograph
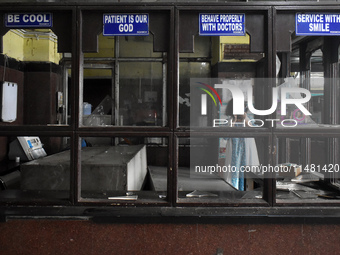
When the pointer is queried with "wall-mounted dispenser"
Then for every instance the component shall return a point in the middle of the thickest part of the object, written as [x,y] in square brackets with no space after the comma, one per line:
[9,101]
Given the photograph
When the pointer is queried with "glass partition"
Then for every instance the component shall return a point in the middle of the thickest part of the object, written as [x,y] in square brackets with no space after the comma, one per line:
[221,169]
[98,103]
[35,169]
[141,94]
[230,59]
[35,67]
[311,170]
[138,46]
[124,169]
[309,63]
[217,72]
[134,81]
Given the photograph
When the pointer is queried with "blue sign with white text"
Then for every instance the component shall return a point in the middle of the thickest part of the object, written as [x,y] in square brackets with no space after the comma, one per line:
[125,24]
[212,24]
[20,20]
[317,24]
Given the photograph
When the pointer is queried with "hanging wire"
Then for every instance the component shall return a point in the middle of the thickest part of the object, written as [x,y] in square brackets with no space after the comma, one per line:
[5,63]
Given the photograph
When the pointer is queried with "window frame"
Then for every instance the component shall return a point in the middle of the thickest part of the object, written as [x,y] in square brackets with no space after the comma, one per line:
[182,131]
[41,130]
[307,133]
[78,207]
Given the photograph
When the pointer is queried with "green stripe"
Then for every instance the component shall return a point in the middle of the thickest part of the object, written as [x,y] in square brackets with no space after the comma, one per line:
[209,94]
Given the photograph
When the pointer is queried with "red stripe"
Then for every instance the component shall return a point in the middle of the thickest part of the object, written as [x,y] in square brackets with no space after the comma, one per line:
[213,90]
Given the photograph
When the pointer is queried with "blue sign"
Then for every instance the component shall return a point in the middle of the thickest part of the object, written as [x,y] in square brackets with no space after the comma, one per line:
[126,24]
[21,20]
[221,24]
[317,24]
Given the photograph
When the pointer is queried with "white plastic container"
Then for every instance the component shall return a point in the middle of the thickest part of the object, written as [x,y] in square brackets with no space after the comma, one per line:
[87,108]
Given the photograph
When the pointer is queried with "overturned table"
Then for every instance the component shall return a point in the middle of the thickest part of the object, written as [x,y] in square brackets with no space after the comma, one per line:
[107,168]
